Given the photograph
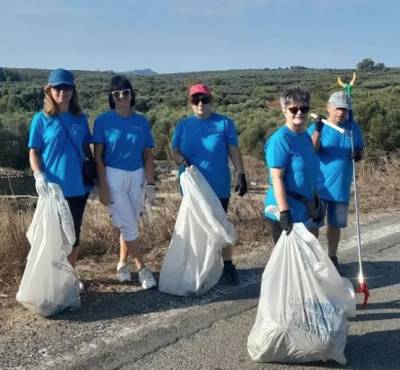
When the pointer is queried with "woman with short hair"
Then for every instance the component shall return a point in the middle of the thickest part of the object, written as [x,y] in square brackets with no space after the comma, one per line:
[292,164]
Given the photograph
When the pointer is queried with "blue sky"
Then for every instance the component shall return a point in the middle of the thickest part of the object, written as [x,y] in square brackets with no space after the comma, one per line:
[187,35]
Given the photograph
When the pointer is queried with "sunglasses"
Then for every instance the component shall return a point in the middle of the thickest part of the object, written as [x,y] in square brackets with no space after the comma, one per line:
[196,99]
[121,93]
[303,109]
[64,87]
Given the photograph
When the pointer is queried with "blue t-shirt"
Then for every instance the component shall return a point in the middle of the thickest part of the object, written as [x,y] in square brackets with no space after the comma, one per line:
[205,143]
[124,139]
[294,153]
[335,175]
[59,157]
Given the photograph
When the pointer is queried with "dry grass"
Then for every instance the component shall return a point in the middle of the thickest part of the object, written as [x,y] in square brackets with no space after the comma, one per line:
[378,184]
[14,246]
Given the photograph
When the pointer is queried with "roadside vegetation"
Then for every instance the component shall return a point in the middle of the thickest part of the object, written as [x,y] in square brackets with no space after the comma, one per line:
[250,97]
[378,184]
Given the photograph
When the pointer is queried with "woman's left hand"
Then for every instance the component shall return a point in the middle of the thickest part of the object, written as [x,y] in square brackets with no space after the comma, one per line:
[241,186]
[150,193]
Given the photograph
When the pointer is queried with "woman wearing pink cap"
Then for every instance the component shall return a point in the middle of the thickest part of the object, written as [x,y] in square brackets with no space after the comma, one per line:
[207,140]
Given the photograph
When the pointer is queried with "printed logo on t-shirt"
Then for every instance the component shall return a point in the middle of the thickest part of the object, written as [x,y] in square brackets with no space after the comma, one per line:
[76,130]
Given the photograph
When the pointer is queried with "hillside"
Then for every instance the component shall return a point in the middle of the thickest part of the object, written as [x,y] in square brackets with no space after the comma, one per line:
[245,95]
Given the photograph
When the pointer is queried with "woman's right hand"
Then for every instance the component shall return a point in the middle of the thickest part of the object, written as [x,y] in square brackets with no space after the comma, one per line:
[104,195]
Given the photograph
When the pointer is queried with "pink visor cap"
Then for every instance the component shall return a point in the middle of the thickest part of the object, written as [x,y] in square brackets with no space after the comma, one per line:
[199,89]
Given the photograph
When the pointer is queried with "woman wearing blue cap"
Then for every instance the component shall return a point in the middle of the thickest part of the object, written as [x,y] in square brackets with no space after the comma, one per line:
[59,140]
[208,140]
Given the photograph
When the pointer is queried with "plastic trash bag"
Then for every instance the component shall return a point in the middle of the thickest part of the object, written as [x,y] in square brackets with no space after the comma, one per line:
[50,284]
[193,263]
[304,304]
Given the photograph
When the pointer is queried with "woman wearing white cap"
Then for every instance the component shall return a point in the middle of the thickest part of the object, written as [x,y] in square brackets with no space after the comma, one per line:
[207,140]
[59,140]
[335,163]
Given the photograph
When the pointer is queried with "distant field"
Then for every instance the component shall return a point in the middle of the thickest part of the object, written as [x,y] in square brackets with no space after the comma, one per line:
[248,96]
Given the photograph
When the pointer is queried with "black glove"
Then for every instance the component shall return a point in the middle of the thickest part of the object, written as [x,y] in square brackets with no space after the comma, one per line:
[319,211]
[285,220]
[185,162]
[241,186]
[318,124]
[356,155]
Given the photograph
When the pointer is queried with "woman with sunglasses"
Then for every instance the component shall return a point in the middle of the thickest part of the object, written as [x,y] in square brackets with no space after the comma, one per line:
[124,162]
[292,164]
[207,140]
[59,138]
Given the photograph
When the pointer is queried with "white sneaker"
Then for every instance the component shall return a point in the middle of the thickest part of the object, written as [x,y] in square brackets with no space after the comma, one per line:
[146,278]
[123,273]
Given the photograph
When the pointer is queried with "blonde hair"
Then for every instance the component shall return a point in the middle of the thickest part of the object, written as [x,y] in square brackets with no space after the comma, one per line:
[50,106]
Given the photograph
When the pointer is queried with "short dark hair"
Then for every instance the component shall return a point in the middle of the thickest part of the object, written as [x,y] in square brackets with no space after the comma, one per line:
[295,94]
[120,83]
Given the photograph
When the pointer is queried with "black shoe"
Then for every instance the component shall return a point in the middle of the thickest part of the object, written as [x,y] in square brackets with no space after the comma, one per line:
[230,275]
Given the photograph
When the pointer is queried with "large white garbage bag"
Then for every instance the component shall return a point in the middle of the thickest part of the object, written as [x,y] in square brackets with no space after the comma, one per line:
[303,304]
[193,263]
[50,284]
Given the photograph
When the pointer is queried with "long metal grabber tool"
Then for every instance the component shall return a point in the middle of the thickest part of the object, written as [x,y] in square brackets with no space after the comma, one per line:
[362,287]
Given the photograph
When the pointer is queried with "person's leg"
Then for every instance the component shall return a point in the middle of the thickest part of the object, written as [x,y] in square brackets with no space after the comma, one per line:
[337,219]
[229,274]
[136,195]
[276,230]
[226,251]
[77,208]
[130,239]
[132,248]
[333,236]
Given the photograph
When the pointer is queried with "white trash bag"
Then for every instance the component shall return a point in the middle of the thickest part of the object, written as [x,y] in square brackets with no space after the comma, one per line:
[304,304]
[193,263]
[50,284]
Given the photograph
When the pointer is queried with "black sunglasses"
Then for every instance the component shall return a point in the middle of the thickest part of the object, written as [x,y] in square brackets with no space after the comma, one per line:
[303,109]
[64,87]
[196,99]
[121,93]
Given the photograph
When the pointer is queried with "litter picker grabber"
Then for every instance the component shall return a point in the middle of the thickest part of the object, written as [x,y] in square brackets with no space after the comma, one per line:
[362,287]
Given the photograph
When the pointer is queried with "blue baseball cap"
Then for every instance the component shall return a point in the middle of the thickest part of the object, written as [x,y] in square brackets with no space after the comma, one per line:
[61,77]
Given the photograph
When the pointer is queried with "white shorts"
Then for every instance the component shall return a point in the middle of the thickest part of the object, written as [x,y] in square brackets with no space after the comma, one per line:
[127,192]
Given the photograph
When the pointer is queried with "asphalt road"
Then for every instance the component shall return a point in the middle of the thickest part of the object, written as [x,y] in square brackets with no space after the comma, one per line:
[151,330]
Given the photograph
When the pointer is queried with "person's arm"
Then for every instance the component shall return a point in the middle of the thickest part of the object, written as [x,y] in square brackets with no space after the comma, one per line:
[277,175]
[179,158]
[104,194]
[236,158]
[316,135]
[316,140]
[34,160]
[285,217]
[148,165]
[39,175]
